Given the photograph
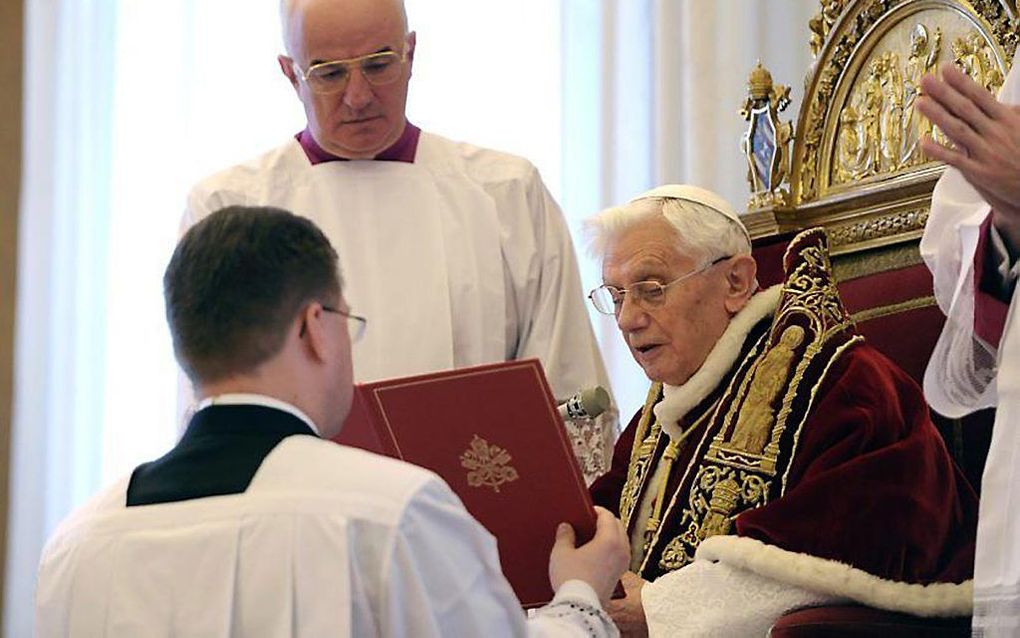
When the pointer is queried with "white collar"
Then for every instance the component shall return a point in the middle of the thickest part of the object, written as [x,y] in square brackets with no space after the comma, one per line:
[240,398]
[677,400]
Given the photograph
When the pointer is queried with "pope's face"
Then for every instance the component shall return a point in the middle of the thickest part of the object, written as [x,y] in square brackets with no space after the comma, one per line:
[363,119]
[669,341]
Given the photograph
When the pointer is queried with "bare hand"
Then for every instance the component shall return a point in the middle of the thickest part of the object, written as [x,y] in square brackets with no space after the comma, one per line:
[986,134]
[599,562]
[627,613]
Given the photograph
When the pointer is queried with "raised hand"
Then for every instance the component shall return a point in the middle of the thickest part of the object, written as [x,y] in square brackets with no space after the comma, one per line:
[986,136]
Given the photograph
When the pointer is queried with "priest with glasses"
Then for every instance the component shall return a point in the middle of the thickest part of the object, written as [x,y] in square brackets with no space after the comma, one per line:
[458,253]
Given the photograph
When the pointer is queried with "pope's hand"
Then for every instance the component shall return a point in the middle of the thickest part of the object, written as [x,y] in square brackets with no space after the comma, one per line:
[627,612]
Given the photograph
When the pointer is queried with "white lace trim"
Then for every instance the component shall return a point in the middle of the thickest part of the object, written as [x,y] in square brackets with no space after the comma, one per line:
[592,441]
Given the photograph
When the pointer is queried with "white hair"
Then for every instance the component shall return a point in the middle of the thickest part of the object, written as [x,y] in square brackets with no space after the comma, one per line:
[287,12]
[701,231]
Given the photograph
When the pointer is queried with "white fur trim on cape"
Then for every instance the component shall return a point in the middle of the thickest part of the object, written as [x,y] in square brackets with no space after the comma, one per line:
[677,400]
[838,579]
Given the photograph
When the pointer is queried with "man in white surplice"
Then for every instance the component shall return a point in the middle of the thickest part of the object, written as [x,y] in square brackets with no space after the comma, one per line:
[252,525]
[972,245]
[458,253]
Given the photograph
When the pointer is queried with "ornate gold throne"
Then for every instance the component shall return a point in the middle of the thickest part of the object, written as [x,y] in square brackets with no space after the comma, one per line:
[851,163]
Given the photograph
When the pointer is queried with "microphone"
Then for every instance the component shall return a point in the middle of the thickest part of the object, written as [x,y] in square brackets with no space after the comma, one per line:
[586,404]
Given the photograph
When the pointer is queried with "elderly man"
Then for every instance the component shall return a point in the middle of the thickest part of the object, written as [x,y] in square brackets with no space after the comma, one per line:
[254,526]
[972,245]
[467,239]
[779,461]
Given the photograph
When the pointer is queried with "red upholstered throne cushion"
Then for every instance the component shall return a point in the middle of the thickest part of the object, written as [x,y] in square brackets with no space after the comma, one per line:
[895,311]
[852,621]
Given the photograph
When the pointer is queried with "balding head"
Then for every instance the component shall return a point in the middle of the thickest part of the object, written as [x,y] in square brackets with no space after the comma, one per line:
[362,118]
[291,11]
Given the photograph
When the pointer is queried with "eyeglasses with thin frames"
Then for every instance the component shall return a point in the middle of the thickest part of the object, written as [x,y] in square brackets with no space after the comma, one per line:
[647,294]
[333,76]
[360,323]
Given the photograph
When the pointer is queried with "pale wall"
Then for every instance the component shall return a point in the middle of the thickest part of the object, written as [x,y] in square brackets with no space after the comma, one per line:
[11,21]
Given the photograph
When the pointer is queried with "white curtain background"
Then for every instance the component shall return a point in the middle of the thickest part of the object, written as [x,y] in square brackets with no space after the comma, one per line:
[128,102]
[651,90]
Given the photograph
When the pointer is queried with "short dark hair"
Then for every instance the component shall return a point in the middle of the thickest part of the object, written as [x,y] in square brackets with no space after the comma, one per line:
[236,282]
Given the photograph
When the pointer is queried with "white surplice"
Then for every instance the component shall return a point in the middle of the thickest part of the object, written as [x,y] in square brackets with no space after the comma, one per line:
[965,374]
[459,258]
[326,541]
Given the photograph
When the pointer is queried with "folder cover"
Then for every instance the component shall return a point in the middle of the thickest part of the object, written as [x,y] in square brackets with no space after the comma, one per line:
[493,433]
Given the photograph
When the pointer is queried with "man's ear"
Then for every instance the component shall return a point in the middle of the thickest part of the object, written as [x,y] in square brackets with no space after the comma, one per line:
[412,40]
[287,66]
[741,282]
[312,331]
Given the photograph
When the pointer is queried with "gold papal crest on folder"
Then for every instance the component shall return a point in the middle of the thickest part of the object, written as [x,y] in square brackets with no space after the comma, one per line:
[489,464]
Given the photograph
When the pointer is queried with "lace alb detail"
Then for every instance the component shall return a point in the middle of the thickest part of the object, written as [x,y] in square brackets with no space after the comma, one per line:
[722,602]
[592,441]
[960,377]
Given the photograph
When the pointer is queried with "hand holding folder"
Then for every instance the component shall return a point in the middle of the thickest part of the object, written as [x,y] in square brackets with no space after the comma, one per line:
[493,433]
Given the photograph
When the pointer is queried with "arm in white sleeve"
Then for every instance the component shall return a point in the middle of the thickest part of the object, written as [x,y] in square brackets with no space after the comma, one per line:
[1007,266]
[714,599]
[553,322]
[444,579]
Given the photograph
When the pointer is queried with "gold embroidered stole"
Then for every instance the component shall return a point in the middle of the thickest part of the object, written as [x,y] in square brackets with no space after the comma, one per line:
[743,457]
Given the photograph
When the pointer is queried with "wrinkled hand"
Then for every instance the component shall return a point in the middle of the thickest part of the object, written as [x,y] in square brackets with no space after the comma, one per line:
[627,612]
[599,562]
[986,134]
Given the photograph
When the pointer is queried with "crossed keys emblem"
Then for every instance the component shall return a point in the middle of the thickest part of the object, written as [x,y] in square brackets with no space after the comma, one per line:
[488,464]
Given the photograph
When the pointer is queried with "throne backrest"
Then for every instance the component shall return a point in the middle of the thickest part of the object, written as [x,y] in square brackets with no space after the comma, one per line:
[852,163]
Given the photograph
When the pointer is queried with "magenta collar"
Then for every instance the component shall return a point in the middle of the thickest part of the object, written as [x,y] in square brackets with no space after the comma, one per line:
[403,150]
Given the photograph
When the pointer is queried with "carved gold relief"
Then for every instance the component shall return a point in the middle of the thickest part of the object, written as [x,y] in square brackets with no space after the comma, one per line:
[877,228]
[876,128]
[821,24]
[489,465]
[819,105]
[879,127]
[1004,28]
[976,58]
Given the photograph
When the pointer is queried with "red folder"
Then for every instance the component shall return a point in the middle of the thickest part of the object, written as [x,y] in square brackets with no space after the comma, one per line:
[493,433]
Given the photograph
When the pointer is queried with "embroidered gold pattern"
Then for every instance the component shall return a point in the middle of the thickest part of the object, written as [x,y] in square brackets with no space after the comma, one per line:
[754,422]
[711,415]
[737,471]
[489,465]
[645,441]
